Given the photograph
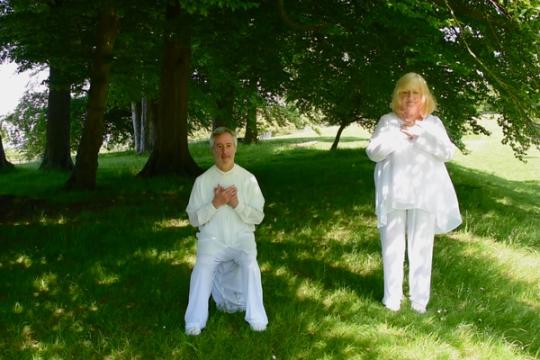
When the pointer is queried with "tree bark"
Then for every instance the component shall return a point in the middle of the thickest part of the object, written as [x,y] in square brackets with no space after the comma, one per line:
[143,137]
[224,110]
[4,163]
[342,127]
[140,117]
[152,109]
[171,153]
[83,175]
[136,121]
[57,153]
[251,124]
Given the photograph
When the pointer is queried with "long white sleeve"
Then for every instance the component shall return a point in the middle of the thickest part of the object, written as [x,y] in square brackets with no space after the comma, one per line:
[251,209]
[434,140]
[385,139]
[199,211]
[411,174]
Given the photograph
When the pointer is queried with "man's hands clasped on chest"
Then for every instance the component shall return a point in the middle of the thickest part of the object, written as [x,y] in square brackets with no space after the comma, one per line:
[225,196]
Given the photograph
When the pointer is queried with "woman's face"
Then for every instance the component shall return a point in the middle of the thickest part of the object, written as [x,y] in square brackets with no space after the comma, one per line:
[411,102]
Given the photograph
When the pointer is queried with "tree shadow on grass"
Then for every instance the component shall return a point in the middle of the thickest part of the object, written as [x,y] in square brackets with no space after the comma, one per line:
[112,279]
[87,279]
[73,295]
[476,292]
[508,211]
[314,203]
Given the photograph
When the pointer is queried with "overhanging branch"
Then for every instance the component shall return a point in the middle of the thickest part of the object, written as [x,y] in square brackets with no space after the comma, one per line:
[293,24]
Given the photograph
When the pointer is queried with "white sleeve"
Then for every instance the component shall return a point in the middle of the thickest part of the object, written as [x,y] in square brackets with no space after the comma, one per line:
[250,205]
[199,211]
[433,139]
[385,140]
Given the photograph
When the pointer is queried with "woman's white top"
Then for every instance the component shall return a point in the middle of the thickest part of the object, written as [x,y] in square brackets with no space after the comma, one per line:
[410,173]
[225,226]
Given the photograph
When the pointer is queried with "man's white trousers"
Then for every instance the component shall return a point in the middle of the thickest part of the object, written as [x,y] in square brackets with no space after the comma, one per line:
[233,278]
[415,228]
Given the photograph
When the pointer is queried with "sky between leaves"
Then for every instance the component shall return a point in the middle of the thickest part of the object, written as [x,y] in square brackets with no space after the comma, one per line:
[13,85]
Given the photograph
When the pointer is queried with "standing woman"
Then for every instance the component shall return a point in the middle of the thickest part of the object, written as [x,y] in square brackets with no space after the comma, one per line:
[415,198]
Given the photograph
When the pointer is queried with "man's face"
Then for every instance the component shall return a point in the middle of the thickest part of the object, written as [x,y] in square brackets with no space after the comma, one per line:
[224,151]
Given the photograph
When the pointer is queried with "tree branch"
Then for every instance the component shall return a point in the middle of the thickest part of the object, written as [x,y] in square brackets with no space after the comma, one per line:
[293,24]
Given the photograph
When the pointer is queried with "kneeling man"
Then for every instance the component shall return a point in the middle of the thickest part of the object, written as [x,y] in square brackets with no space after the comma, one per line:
[225,204]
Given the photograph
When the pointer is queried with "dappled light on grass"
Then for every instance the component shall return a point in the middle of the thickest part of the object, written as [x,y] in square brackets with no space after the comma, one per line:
[46,283]
[105,274]
[45,220]
[22,260]
[173,223]
[492,291]
[17,308]
[516,264]
[166,257]
[27,341]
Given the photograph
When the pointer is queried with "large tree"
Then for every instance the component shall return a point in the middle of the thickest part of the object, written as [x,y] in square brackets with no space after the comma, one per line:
[238,65]
[336,58]
[53,34]
[475,55]
[83,175]
[57,153]
[170,154]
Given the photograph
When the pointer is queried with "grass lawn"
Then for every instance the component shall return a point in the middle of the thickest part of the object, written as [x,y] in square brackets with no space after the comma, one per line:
[105,274]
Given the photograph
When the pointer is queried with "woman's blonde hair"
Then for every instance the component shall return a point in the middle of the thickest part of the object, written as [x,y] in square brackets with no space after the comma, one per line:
[414,81]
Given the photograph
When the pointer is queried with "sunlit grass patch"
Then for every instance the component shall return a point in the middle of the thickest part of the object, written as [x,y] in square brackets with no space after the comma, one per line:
[45,283]
[174,223]
[102,275]
[105,274]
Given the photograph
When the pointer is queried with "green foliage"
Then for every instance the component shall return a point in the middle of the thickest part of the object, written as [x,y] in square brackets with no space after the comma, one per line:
[337,59]
[204,7]
[284,118]
[237,57]
[473,54]
[36,33]
[27,124]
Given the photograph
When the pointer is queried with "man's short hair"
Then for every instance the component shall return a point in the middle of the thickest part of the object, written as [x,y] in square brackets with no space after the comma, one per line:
[220,131]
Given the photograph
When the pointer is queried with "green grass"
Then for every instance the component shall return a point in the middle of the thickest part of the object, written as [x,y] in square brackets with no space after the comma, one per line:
[105,274]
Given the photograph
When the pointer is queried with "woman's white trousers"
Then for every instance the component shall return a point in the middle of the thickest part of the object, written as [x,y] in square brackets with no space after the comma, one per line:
[414,228]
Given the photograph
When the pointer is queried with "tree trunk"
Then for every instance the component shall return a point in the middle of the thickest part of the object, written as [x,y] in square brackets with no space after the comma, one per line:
[136,120]
[143,137]
[171,153]
[152,108]
[224,110]
[57,153]
[4,163]
[251,124]
[83,175]
[342,127]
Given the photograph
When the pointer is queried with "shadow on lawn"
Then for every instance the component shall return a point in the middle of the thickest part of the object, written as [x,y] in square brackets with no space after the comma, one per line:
[313,205]
[100,275]
[508,211]
[475,292]
[92,277]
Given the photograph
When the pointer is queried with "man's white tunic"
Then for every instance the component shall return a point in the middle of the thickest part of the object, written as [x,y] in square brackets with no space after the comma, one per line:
[411,174]
[225,226]
[226,248]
